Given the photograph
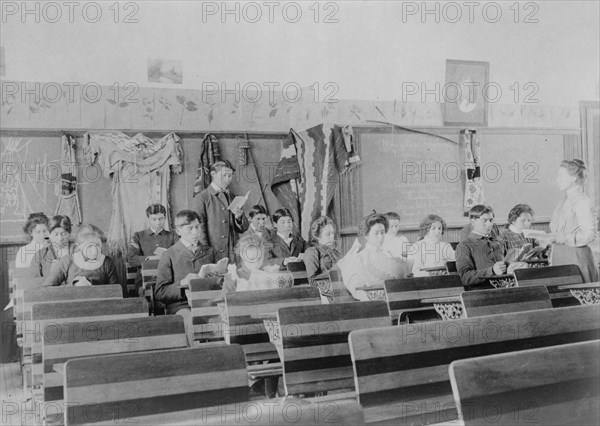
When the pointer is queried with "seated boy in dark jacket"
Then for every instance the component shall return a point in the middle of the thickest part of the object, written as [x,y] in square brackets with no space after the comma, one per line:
[181,263]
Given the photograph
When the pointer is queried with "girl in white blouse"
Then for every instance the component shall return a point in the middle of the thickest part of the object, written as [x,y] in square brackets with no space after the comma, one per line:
[37,228]
[430,251]
[372,265]
[573,223]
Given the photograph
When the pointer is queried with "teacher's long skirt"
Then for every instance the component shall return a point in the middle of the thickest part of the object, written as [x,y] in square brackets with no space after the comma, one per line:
[583,257]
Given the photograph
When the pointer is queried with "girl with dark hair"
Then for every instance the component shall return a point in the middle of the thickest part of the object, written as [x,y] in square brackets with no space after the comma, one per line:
[36,227]
[430,251]
[573,223]
[520,218]
[395,243]
[322,255]
[372,265]
[87,266]
[60,246]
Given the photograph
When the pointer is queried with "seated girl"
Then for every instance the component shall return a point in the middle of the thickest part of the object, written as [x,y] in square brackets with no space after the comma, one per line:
[372,265]
[395,243]
[519,219]
[36,228]
[321,257]
[429,251]
[87,266]
[60,246]
[285,247]
[251,250]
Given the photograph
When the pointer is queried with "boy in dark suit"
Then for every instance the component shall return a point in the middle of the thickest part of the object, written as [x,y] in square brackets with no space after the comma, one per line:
[180,264]
[153,241]
[480,256]
[220,226]
[284,246]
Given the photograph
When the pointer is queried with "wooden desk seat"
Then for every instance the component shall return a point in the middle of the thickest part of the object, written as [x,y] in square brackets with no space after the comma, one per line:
[30,296]
[242,328]
[66,341]
[149,276]
[298,271]
[479,303]
[405,296]
[557,385]
[401,373]
[314,343]
[154,387]
[552,277]
[46,317]
[203,298]
[131,277]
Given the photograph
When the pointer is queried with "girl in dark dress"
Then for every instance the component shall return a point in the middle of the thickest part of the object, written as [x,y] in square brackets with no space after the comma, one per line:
[87,266]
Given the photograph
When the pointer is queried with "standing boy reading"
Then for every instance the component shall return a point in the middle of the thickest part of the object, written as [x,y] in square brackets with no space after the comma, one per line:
[220,226]
[181,263]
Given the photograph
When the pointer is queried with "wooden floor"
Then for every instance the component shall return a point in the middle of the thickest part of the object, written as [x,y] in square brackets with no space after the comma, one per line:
[16,409]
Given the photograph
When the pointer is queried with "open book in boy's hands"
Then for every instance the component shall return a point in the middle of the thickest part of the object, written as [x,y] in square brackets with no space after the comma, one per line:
[238,202]
[220,268]
[525,253]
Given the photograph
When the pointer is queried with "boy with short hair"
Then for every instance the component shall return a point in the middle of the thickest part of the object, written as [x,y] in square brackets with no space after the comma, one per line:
[152,241]
[480,256]
[219,225]
[180,264]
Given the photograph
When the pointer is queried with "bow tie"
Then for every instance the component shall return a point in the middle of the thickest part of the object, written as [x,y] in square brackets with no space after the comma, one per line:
[223,191]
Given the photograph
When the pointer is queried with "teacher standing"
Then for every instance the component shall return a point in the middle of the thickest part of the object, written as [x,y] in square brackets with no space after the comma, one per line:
[573,223]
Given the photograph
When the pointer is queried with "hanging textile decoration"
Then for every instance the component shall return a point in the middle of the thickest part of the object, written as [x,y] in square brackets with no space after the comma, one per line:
[344,148]
[308,173]
[68,201]
[209,153]
[141,171]
[471,149]
[243,148]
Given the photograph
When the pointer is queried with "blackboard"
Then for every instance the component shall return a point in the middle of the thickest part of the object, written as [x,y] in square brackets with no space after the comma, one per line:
[29,181]
[416,174]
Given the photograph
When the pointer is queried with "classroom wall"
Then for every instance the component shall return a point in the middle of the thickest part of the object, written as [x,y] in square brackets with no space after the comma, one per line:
[368,50]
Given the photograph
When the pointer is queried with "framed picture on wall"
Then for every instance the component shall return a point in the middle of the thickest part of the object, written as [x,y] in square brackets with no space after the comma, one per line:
[466,85]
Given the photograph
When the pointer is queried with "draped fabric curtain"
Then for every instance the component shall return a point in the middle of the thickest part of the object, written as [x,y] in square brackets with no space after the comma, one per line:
[471,153]
[141,172]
